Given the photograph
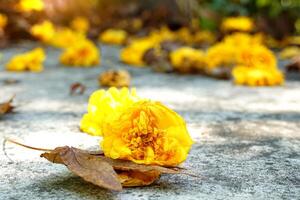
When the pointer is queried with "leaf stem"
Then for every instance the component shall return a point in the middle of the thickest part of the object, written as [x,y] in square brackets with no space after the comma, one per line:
[24,145]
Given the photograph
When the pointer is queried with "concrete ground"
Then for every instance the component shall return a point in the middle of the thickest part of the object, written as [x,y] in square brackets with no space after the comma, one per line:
[247,139]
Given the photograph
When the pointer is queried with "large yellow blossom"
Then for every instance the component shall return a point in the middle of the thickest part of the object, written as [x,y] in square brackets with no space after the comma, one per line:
[80,24]
[103,104]
[147,132]
[30,5]
[82,53]
[257,76]
[237,24]
[44,31]
[113,36]
[187,59]
[29,61]
[3,21]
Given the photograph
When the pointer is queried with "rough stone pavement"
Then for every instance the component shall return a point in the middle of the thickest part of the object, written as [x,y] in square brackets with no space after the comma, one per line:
[247,139]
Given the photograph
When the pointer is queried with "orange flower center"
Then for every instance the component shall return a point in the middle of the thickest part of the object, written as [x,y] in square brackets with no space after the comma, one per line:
[144,138]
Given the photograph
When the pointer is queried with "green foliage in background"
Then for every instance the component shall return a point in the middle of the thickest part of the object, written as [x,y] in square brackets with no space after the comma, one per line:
[271,9]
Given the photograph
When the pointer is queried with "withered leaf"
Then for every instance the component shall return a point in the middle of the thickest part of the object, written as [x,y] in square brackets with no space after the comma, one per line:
[77,88]
[6,107]
[105,172]
[86,166]
[136,178]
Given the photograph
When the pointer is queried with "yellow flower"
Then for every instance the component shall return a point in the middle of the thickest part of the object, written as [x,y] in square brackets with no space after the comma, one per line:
[204,37]
[30,5]
[220,55]
[64,37]
[226,52]
[237,24]
[29,61]
[44,31]
[134,53]
[102,104]
[243,39]
[113,36]
[3,21]
[147,132]
[257,76]
[187,59]
[256,55]
[82,53]
[80,24]
[289,52]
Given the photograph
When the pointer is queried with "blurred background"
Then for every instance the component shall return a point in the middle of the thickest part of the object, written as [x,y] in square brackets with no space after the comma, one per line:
[278,18]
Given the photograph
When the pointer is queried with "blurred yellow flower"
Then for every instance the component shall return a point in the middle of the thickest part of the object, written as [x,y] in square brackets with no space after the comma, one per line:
[237,24]
[220,55]
[256,55]
[226,52]
[113,36]
[3,21]
[64,37]
[80,24]
[206,37]
[29,61]
[44,31]
[30,5]
[103,104]
[289,52]
[147,132]
[187,59]
[257,76]
[81,53]
[133,54]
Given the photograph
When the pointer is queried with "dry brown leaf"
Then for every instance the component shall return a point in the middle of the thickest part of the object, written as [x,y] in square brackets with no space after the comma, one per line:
[86,166]
[102,171]
[105,172]
[6,107]
[77,88]
[137,178]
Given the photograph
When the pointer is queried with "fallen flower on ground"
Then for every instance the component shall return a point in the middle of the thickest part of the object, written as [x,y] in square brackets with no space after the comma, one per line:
[146,132]
[29,61]
[289,52]
[44,31]
[82,53]
[80,24]
[104,103]
[257,76]
[237,24]
[187,59]
[113,36]
[115,78]
[64,37]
